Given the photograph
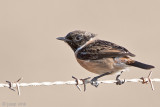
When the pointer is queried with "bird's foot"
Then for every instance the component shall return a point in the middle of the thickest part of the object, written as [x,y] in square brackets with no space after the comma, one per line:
[120,82]
[94,82]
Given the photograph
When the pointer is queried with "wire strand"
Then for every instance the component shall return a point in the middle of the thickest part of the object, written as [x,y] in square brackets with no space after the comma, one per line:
[16,85]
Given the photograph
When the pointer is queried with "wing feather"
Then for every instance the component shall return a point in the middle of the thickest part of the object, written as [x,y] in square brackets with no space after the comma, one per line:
[102,49]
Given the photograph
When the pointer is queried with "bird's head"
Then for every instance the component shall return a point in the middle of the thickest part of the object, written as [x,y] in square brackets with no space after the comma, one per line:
[77,38]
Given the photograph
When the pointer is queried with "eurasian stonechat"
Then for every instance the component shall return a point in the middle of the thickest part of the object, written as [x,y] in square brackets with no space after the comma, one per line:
[100,56]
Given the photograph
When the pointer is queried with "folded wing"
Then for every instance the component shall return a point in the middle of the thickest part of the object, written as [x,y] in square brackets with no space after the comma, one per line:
[102,49]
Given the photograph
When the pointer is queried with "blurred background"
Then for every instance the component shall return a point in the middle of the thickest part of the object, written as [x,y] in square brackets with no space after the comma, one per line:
[29,49]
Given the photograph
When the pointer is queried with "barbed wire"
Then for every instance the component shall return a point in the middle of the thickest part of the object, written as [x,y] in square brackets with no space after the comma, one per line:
[16,85]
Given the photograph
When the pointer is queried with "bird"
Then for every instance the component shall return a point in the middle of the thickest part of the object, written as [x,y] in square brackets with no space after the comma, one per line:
[101,57]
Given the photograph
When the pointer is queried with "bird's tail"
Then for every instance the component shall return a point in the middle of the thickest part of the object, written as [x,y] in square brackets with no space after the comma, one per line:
[141,65]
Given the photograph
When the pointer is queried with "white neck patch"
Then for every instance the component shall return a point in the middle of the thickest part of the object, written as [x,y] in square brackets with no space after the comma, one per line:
[88,42]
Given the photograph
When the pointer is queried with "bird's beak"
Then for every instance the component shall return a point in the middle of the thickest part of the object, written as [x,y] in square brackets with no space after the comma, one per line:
[61,38]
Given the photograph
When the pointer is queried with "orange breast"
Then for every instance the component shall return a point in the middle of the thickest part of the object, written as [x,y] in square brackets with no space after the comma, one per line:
[99,66]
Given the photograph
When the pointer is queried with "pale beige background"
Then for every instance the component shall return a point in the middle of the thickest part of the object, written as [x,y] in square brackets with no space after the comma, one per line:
[29,49]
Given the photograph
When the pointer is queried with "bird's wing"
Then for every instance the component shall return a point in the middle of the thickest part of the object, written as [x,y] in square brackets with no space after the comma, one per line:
[102,49]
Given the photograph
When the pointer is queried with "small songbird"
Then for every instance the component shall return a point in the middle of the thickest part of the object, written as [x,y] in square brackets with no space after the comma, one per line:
[100,56]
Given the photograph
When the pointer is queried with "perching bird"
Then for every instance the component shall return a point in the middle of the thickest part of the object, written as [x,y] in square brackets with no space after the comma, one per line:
[100,56]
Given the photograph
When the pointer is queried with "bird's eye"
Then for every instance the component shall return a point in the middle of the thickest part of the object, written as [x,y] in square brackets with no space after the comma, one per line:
[78,38]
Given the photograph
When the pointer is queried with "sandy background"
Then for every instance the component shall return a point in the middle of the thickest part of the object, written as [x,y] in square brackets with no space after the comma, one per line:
[29,49]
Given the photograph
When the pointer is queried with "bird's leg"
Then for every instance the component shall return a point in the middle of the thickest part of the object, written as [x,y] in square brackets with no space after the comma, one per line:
[119,82]
[94,80]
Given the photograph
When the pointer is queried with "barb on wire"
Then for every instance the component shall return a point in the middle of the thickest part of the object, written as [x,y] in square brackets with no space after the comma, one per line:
[12,85]
[150,81]
[77,82]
